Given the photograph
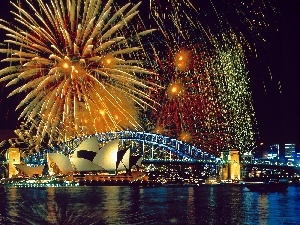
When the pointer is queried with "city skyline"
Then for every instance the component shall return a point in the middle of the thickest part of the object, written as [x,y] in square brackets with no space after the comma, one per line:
[274,81]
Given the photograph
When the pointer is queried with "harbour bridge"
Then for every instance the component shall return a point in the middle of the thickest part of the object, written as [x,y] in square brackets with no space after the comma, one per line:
[157,149]
[154,148]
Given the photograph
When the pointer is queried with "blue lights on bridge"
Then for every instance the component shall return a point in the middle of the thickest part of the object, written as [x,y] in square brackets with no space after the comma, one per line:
[158,148]
[154,148]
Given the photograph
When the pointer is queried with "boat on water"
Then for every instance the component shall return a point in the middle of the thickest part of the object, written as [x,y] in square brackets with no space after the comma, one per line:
[271,185]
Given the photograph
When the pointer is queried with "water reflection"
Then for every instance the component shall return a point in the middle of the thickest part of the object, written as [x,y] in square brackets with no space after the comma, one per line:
[51,209]
[13,203]
[263,211]
[156,205]
[191,206]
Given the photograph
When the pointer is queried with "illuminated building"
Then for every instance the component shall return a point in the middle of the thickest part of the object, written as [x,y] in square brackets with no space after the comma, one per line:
[289,152]
[14,157]
[30,171]
[274,152]
[231,169]
[297,158]
[87,158]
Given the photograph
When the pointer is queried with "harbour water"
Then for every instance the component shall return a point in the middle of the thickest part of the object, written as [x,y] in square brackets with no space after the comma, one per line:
[215,204]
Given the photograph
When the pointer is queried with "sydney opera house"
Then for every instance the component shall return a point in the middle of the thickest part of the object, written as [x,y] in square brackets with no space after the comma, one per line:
[90,164]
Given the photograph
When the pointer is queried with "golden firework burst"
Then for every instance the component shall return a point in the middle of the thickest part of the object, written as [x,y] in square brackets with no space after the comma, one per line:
[78,63]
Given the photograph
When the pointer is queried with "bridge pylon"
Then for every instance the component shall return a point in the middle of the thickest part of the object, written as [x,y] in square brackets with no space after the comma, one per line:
[231,169]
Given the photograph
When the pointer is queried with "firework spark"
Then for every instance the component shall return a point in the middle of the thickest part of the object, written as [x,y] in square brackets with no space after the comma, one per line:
[80,60]
[77,61]
[206,100]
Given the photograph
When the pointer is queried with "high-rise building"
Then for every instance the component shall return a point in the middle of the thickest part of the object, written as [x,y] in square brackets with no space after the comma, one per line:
[289,152]
[273,153]
[297,158]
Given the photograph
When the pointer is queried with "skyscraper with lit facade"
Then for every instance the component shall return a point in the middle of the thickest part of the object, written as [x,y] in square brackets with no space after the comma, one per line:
[274,151]
[289,152]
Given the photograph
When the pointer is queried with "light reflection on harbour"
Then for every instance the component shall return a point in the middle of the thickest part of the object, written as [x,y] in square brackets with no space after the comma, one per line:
[191,205]
[13,204]
[147,205]
[263,208]
[51,205]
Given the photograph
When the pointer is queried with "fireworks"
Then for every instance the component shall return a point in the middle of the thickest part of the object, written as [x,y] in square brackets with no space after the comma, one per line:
[207,99]
[234,95]
[191,110]
[79,64]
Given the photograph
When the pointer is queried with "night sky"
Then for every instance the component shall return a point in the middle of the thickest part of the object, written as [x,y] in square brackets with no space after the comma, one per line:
[278,112]
[277,108]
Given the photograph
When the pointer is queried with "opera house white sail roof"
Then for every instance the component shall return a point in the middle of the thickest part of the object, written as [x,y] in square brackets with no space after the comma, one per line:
[81,165]
[86,157]
[105,159]
[90,144]
[107,156]
[30,171]
[61,161]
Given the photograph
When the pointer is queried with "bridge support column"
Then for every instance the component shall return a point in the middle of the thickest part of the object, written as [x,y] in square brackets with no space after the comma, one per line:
[14,157]
[231,169]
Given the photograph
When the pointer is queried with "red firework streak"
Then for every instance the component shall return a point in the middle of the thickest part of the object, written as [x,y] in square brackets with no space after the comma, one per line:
[189,108]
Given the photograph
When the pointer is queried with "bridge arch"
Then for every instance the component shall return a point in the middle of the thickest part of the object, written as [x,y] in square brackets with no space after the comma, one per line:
[157,148]
[154,149]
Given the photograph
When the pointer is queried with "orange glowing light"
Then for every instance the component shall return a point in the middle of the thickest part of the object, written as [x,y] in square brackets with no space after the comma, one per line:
[182,60]
[65,65]
[159,130]
[185,136]
[108,61]
[75,70]
[175,89]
